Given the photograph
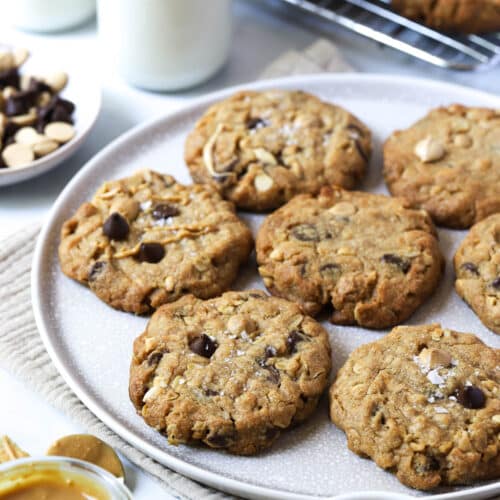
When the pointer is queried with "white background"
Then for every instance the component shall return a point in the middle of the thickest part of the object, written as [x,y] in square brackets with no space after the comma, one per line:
[259,37]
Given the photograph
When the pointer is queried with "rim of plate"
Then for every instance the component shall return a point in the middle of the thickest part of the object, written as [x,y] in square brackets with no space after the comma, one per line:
[195,472]
[83,127]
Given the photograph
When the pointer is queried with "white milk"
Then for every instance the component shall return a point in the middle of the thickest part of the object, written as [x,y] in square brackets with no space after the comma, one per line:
[165,44]
[48,15]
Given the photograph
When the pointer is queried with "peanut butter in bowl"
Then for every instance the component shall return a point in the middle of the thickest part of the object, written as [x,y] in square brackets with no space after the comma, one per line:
[58,478]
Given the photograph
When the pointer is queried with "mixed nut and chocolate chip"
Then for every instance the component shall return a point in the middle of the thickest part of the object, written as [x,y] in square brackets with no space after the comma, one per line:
[34,119]
[370,256]
[262,148]
[424,403]
[146,240]
[235,371]
[477,269]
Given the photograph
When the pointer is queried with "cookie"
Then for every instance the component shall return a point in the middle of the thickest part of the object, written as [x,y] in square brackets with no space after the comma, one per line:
[370,256]
[423,402]
[449,164]
[231,372]
[477,269]
[146,240]
[262,148]
[465,16]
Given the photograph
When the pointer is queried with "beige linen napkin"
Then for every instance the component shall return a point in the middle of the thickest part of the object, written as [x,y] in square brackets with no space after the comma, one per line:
[22,351]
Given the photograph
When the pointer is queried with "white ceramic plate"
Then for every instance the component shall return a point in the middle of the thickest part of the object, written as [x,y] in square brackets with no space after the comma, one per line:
[83,91]
[91,344]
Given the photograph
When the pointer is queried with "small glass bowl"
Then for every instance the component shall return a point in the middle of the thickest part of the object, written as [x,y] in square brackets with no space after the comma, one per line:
[11,474]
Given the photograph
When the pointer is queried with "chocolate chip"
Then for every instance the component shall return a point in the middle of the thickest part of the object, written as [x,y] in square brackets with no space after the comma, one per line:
[270,351]
[38,86]
[9,78]
[219,440]
[59,102]
[274,374]
[154,358]
[95,270]
[116,227]
[403,264]
[425,463]
[496,283]
[203,345]
[10,130]
[291,342]
[209,392]
[57,109]
[59,114]
[256,123]
[151,252]
[164,210]
[16,105]
[471,397]
[305,232]
[469,266]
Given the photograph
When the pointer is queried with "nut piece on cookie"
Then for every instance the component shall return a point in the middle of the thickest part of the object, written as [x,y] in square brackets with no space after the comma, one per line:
[147,240]
[429,150]
[477,270]
[370,256]
[448,163]
[433,358]
[431,428]
[259,149]
[232,372]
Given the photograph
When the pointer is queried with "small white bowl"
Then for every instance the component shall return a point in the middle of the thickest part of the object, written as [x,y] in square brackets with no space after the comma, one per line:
[11,474]
[84,92]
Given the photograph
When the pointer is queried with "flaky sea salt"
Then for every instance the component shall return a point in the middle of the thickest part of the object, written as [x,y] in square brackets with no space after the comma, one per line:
[440,409]
[434,377]
[145,205]
[424,369]
[163,222]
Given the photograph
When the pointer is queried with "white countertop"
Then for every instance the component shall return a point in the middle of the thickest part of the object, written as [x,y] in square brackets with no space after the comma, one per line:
[259,37]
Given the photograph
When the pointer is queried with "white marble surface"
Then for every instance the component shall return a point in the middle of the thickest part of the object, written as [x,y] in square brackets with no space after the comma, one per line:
[259,37]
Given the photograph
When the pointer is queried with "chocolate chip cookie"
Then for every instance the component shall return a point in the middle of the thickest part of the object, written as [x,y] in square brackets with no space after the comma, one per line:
[477,269]
[147,240]
[449,164]
[231,372]
[370,256]
[262,148]
[465,16]
[424,403]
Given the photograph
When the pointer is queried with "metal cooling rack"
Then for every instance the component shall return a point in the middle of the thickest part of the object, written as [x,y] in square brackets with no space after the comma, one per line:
[375,20]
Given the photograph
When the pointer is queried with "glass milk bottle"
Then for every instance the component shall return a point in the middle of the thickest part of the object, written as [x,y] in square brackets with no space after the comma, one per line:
[165,44]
